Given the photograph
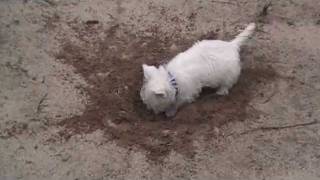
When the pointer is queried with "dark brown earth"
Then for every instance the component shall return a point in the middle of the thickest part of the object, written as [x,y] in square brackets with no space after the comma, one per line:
[112,67]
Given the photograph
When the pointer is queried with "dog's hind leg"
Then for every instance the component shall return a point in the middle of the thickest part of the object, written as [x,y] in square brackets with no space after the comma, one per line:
[225,86]
[229,81]
[223,90]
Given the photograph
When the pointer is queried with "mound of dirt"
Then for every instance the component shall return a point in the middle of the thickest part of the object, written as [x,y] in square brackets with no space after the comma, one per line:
[112,67]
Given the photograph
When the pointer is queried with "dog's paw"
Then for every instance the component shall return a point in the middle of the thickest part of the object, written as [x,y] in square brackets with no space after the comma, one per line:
[222,91]
[171,112]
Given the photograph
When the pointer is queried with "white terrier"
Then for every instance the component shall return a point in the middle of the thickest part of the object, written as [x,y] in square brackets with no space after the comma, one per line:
[208,63]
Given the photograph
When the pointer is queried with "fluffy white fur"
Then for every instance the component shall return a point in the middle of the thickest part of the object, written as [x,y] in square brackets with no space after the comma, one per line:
[208,63]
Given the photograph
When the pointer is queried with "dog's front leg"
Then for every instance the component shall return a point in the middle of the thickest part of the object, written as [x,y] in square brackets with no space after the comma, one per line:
[171,111]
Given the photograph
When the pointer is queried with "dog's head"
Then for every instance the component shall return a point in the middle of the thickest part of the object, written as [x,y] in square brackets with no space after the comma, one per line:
[157,92]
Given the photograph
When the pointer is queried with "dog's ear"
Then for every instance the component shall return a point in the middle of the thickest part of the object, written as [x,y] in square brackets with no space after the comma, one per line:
[162,70]
[148,71]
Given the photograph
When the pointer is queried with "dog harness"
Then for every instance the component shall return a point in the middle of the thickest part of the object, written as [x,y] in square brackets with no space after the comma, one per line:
[173,82]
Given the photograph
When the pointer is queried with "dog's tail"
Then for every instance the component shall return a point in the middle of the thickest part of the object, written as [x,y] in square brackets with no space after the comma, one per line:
[244,35]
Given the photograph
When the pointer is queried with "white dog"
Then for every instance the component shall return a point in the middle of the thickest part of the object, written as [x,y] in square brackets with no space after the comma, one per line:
[208,63]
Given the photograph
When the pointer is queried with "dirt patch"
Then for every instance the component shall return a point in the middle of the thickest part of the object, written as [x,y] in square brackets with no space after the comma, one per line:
[112,66]
[14,130]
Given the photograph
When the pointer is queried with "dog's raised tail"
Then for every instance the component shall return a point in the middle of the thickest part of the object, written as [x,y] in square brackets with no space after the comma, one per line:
[244,35]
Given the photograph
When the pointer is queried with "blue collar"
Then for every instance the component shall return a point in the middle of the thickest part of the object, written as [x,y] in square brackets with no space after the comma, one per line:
[173,82]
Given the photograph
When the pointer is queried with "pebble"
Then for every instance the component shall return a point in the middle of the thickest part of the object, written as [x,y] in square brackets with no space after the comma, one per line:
[144,44]
[173,48]
[103,75]
[110,123]
[113,48]
[124,57]
[148,34]
[65,157]
[166,132]
[290,22]
[216,131]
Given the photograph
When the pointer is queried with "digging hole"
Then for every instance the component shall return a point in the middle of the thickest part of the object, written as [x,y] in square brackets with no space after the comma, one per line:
[112,67]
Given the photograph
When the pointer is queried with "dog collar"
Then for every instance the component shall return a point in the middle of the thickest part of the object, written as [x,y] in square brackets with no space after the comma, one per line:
[173,82]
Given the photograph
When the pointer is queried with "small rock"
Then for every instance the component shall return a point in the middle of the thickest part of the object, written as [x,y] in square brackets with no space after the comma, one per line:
[46,2]
[65,157]
[16,21]
[20,148]
[111,123]
[58,116]
[216,131]
[144,44]
[28,162]
[189,132]
[103,75]
[148,34]
[290,22]
[124,57]
[22,126]
[23,84]
[114,48]
[92,22]
[122,113]
[173,48]
[166,132]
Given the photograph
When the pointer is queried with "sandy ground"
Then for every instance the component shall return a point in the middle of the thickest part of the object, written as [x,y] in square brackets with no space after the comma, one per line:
[70,72]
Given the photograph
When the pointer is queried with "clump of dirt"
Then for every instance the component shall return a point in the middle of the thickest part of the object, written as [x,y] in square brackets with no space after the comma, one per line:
[13,131]
[51,21]
[112,67]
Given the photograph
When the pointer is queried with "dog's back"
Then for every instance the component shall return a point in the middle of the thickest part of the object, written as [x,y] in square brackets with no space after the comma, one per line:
[212,63]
